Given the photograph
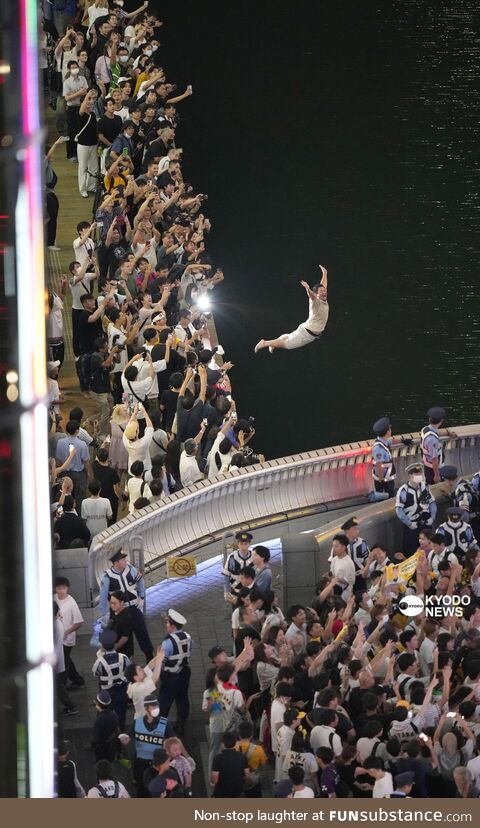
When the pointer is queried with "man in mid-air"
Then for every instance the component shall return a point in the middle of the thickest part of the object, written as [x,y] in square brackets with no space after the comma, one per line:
[307,331]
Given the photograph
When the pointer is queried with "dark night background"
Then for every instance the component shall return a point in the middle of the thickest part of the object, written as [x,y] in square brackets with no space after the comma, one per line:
[344,133]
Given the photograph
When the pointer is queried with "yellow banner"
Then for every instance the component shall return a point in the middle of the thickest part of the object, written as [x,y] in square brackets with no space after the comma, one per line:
[183,567]
[402,572]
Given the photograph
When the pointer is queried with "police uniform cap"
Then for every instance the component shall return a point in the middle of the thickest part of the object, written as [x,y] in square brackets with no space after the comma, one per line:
[176,617]
[436,413]
[349,524]
[117,556]
[243,536]
[454,510]
[406,778]
[414,467]
[151,699]
[448,472]
[104,698]
[108,639]
[157,786]
[381,426]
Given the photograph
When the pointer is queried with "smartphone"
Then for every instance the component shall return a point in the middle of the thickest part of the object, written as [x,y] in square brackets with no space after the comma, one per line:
[59,510]
[70,446]
[205,422]
[451,715]
[190,87]
[234,416]
[125,152]
[423,737]
[140,407]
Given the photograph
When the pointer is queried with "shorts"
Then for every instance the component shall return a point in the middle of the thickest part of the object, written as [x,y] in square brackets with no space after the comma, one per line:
[298,338]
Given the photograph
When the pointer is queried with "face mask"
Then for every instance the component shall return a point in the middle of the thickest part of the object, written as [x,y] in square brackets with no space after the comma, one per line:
[123,58]
[154,48]
[119,3]
[417,478]
[155,711]
[74,72]
[148,53]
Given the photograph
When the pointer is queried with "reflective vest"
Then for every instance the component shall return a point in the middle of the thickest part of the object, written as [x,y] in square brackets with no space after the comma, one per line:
[465,497]
[124,582]
[388,464]
[148,740]
[235,564]
[112,670]
[182,645]
[358,551]
[458,538]
[428,431]
[415,503]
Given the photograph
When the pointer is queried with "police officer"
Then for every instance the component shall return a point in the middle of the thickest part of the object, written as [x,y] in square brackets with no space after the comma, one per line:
[383,466]
[475,521]
[124,578]
[105,728]
[175,678]
[357,549]
[431,444]
[238,560]
[403,785]
[459,537]
[149,733]
[415,507]
[110,668]
[461,493]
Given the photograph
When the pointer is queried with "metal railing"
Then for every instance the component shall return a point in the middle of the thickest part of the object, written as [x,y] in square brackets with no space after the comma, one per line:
[267,493]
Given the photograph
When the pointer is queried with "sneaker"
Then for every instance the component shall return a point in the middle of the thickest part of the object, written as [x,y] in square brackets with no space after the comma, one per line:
[73,160]
[70,711]
[84,195]
[54,247]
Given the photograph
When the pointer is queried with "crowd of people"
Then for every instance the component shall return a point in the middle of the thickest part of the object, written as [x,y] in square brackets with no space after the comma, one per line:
[348,697]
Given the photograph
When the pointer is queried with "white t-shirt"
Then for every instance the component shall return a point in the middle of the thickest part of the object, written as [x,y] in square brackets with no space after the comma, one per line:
[148,250]
[426,656]
[96,511]
[474,767]
[325,736]
[189,470]
[305,793]
[383,787]
[68,613]
[137,691]
[276,718]
[109,788]
[120,340]
[77,289]
[137,387]
[139,449]
[82,248]
[55,318]
[53,393]
[134,487]
[224,459]
[344,570]
[317,315]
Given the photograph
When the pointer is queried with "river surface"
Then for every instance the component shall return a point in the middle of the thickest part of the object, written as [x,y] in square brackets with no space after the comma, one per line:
[344,133]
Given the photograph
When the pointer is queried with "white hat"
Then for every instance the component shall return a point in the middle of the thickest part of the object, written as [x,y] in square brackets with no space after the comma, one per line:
[176,618]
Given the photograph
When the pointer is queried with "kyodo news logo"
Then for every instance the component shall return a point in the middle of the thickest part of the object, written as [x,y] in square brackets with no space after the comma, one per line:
[435,606]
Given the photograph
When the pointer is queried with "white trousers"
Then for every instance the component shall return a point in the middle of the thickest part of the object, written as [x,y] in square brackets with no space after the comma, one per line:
[87,164]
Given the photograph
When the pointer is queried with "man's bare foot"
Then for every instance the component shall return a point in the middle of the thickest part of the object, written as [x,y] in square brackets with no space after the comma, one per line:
[259,346]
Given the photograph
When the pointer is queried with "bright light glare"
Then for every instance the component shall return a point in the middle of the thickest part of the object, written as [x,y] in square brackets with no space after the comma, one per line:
[203,302]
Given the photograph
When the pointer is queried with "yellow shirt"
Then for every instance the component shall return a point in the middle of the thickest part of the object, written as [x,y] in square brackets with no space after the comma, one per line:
[257,756]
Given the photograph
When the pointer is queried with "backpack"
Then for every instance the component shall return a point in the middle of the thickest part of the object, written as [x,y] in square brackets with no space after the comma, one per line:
[104,794]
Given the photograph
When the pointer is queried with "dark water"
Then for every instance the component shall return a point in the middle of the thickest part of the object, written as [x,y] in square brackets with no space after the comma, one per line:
[344,133]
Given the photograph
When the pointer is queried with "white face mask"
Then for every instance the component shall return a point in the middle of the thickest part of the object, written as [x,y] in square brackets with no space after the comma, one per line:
[154,48]
[417,478]
[123,58]
[119,3]
[74,72]
[154,712]
[148,52]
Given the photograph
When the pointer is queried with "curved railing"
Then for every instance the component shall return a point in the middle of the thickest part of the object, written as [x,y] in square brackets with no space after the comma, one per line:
[267,493]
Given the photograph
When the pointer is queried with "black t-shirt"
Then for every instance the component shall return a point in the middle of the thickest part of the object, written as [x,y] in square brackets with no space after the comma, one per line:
[189,422]
[88,332]
[169,399]
[110,127]
[86,129]
[231,765]
[104,726]
[116,252]
[122,625]
[108,477]
[70,527]
[151,774]
[99,376]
